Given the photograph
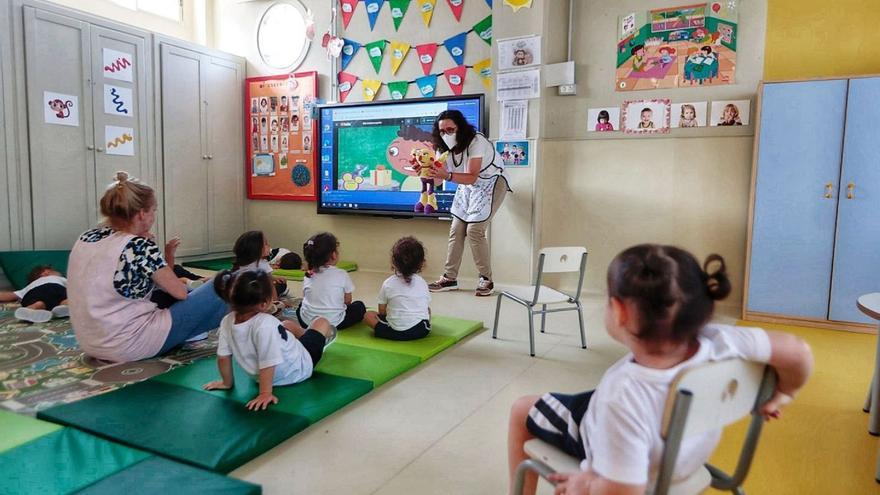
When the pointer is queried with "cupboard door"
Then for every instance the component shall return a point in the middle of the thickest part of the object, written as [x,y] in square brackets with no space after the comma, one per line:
[225,90]
[7,157]
[801,138]
[184,156]
[857,247]
[60,132]
[120,105]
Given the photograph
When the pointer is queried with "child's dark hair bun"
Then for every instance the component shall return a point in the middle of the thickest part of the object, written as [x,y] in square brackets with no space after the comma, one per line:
[717,283]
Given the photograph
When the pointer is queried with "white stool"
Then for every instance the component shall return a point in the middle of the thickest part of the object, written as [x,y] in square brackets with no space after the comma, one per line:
[870,305]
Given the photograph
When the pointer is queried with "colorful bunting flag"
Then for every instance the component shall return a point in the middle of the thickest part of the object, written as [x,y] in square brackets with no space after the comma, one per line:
[426,7]
[427,85]
[371,88]
[489,3]
[455,78]
[399,49]
[483,69]
[398,89]
[456,6]
[455,46]
[375,51]
[426,56]
[484,29]
[346,83]
[398,10]
[373,8]
[348,7]
[349,48]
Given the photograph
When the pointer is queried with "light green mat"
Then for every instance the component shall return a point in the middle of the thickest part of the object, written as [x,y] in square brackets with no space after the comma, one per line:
[456,328]
[363,363]
[16,429]
[361,335]
[298,275]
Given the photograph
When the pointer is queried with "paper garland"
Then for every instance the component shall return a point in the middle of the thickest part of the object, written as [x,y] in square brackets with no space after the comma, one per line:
[375,51]
[456,6]
[455,77]
[399,49]
[398,89]
[349,48]
[455,46]
[426,56]
[483,69]
[484,29]
[347,7]
[426,8]
[399,8]
[427,84]
[373,8]
[371,88]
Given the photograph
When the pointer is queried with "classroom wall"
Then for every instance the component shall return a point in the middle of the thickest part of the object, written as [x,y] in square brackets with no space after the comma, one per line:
[188,29]
[818,38]
[368,240]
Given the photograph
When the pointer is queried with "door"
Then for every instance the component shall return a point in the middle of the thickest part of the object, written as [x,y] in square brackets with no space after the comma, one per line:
[225,90]
[7,158]
[857,247]
[798,171]
[60,127]
[184,156]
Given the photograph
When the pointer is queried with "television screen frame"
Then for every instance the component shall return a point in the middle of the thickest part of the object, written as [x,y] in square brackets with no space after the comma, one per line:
[483,117]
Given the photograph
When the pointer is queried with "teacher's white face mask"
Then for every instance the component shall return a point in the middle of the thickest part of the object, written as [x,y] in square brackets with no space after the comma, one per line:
[449,140]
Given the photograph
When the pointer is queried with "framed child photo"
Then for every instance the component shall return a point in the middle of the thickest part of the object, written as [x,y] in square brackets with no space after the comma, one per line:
[646,116]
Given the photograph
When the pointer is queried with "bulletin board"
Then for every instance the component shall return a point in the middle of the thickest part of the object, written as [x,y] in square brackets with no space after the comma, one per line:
[281,136]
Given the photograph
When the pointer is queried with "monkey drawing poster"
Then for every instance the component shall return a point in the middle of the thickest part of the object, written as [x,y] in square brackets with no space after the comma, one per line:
[281,146]
[60,109]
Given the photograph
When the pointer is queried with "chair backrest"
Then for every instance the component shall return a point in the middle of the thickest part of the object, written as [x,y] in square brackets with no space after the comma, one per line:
[562,259]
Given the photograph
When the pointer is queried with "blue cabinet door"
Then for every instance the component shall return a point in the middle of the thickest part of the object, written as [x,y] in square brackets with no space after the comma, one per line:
[799,151]
[857,247]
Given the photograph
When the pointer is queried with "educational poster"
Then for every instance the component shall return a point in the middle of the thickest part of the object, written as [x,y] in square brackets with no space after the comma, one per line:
[605,119]
[118,65]
[119,140]
[60,109]
[518,85]
[646,116]
[733,112]
[513,153]
[688,114]
[279,117]
[514,119]
[515,53]
[687,46]
[118,101]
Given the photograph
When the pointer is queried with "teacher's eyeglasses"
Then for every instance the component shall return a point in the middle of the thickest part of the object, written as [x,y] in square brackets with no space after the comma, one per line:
[448,130]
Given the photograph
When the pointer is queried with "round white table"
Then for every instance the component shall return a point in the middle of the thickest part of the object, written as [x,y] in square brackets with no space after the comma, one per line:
[870,305]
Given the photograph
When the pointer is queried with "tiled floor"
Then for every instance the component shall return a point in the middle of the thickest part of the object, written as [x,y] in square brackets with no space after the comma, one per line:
[441,428]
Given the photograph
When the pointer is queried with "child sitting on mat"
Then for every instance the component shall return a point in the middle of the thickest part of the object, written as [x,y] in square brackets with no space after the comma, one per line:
[251,250]
[404,299]
[272,352]
[284,259]
[660,302]
[326,288]
[43,298]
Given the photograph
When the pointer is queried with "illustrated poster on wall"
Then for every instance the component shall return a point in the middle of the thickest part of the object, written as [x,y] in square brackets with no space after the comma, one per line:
[60,109]
[513,153]
[678,47]
[118,101]
[280,151]
[117,65]
[119,140]
[515,53]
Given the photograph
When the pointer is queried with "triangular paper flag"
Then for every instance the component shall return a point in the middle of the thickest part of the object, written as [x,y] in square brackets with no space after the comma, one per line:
[456,6]
[373,8]
[346,83]
[349,48]
[398,89]
[398,10]
[426,56]
[426,7]
[371,88]
[348,7]
[518,4]
[455,46]
[427,85]
[483,69]
[484,29]
[399,49]
[374,50]
[489,3]
[455,78]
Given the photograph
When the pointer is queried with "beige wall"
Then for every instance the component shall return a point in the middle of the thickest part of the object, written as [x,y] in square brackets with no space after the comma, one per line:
[187,29]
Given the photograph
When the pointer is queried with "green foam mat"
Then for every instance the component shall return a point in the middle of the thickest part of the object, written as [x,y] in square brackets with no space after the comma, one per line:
[158,475]
[456,328]
[361,335]
[298,275]
[315,398]
[364,363]
[215,264]
[17,264]
[16,430]
[63,461]
[181,424]
[226,263]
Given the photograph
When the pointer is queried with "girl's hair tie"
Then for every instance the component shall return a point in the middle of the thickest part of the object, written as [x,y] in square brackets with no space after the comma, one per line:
[310,242]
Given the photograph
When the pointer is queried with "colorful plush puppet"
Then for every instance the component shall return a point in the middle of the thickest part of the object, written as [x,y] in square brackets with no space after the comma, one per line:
[423,161]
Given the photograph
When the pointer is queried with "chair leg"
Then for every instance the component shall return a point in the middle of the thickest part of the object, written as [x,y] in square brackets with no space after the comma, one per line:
[497,315]
[867,406]
[531,333]
[543,316]
[581,321]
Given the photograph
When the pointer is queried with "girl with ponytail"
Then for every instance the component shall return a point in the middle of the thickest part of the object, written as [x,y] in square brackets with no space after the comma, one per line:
[660,301]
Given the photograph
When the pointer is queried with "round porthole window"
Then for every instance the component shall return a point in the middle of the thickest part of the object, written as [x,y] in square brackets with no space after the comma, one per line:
[281,35]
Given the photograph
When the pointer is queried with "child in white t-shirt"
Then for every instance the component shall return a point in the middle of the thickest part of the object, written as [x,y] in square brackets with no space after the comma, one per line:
[404,299]
[251,250]
[660,301]
[327,289]
[272,352]
[43,298]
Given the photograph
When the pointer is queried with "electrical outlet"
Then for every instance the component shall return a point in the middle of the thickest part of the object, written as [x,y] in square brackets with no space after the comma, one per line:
[568,90]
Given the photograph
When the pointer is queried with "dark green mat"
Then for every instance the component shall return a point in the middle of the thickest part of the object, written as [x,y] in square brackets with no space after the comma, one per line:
[365,364]
[158,476]
[181,424]
[17,264]
[226,263]
[315,398]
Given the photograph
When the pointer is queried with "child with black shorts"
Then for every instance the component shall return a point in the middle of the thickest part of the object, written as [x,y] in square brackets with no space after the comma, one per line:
[404,299]
[43,298]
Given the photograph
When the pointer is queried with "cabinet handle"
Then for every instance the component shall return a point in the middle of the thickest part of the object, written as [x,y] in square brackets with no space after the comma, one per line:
[99,149]
[204,157]
[829,190]
[90,147]
[210,157]
[850,190]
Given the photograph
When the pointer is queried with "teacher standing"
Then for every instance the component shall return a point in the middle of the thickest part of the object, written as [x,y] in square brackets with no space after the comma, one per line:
[476,168]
